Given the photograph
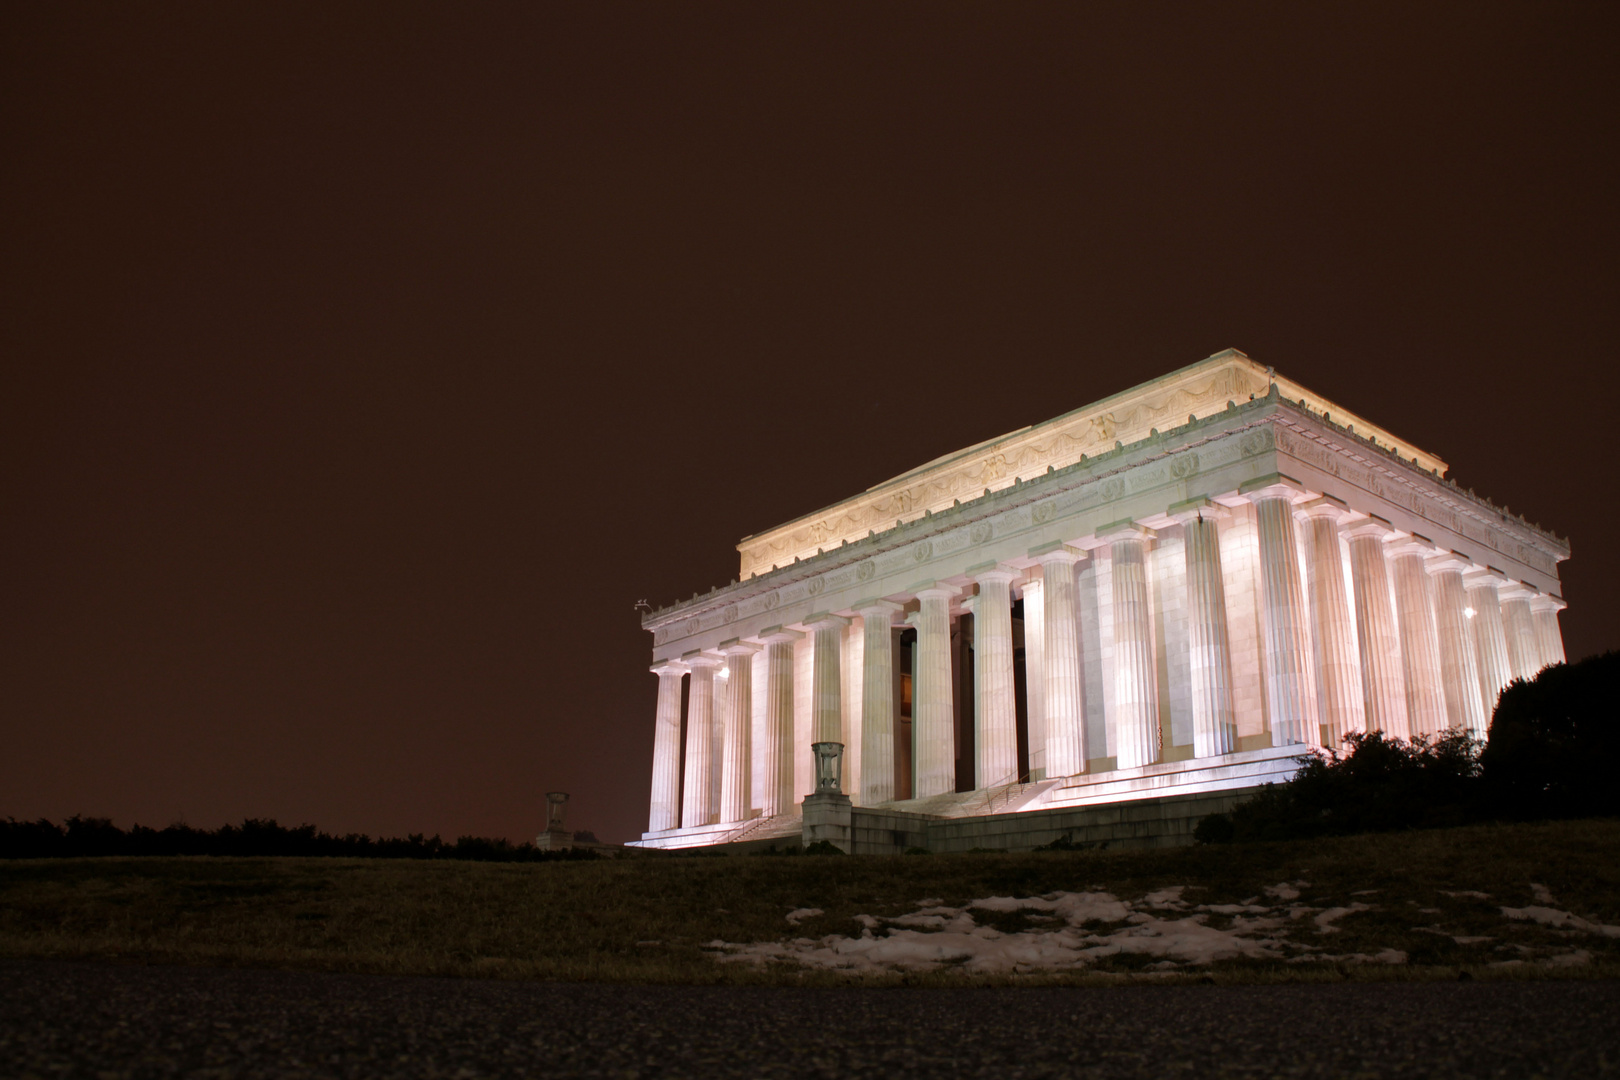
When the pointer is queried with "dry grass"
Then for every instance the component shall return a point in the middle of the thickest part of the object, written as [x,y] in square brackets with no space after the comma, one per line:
[647,919]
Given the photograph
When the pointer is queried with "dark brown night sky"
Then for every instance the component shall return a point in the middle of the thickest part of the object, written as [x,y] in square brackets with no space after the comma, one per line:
[363,365]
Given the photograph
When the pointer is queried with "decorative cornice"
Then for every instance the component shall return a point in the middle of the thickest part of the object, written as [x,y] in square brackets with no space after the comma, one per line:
[1301,433]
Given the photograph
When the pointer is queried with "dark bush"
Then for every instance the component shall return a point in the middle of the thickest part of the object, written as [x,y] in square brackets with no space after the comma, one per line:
[81,836]
[1376,785]
[1554,743]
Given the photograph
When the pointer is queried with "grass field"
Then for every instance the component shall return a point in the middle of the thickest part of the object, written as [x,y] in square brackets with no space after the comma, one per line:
[1360,901]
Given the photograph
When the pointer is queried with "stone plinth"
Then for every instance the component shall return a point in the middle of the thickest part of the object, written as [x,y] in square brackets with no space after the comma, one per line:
[827,817]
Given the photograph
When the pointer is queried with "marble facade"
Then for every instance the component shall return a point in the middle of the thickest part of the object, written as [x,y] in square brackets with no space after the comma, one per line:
[1177,589]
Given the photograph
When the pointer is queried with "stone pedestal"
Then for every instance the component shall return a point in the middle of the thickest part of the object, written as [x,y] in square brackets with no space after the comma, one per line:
[827,817]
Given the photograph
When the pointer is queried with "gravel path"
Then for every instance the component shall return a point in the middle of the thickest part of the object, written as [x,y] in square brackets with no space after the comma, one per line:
[104,1021]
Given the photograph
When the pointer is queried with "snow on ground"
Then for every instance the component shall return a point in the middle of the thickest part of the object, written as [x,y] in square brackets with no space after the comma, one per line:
[1542,912]
[1084,927]
[1561,920]
[1069,931]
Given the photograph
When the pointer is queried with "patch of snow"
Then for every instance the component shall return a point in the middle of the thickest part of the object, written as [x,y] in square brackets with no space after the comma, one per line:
[1541,893]
[937,936]
[1474,939]
[1286,890]
[1325,920]
[798,915]
[1166,898]
[1076,909]
[1569,959]
[1467,894]
[1561,920]
[1365,892]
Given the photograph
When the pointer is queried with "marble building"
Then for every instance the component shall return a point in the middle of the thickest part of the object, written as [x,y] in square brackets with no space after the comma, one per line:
[1176,589]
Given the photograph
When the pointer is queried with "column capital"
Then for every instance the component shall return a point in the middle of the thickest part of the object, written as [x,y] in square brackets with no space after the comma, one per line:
[933,590]
[1410,544]
[876,604]
[1197,510]
[1326,507]
[702,658]
[1443,561]
[825,620]
[1273,486]
[1125,529]
[1518,590]
[1056,552]
[1548,602]
[1035,583]
[993,571]
[738,647]
[1375,527]
[778,635]
[668,667]
[1481,576]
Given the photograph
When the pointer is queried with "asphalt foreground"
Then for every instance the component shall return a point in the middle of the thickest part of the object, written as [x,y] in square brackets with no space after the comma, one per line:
[102,1021]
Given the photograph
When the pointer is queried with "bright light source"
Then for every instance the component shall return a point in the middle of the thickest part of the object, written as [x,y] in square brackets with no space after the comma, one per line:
[722,673]
[1468,611]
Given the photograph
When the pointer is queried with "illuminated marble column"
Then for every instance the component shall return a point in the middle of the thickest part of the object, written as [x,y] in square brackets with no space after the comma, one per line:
[1209,650]
[931,692]
[1490,643]
[1459,668]
[696,808]
[1035,677]
[666,776]
[1524,653]
[778,756]
[736,770]
[1136,691]
[1383,687]
[1549,640]
[1420,645]
[1285,623]
[1338,662]
[1066,750]
[995,721]
[827,663]
[877,700]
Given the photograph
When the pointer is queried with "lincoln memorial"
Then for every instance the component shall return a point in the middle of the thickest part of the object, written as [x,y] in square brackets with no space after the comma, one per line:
[1103,625]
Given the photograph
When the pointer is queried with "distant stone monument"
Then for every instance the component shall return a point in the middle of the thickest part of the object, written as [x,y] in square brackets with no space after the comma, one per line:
[556,837]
